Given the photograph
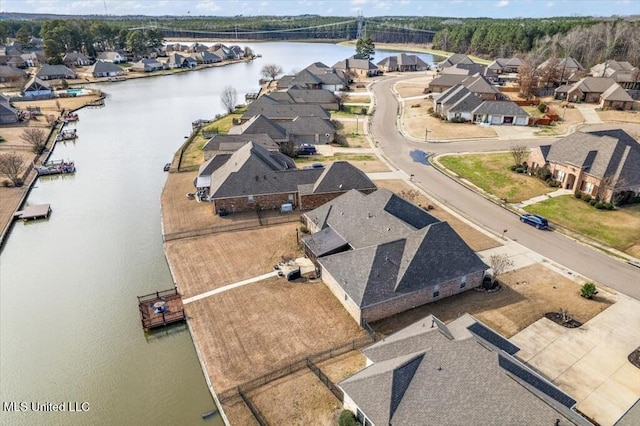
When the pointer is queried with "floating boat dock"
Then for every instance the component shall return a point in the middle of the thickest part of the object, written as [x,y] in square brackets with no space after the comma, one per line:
[34,212]
[66,134]
[161,308]
[56,167]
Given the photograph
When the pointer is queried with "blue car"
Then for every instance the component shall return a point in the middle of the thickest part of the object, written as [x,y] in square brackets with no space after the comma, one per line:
[535,220]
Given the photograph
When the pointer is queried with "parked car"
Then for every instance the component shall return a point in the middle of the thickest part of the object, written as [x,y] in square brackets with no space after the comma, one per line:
[306,149]
[535,220]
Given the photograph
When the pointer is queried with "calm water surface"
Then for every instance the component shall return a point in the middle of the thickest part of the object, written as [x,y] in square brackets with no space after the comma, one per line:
[69,326]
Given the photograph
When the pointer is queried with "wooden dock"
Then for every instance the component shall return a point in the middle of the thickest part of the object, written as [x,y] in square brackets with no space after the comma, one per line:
[161,308]
[41,211]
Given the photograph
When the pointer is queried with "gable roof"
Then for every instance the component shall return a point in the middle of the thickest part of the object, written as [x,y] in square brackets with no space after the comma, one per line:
[479,84]
[356,63]
[278,111]
[308,125]
[35,84]
[55,70]
[102,67]
[12,72]
[304,78]
[303,96]
[341,176]
[403,59]
[7,109]
[447,80]
[508,108]
[427,377]
[261,124]
[231,143]
[616,93]
[593,85]
[600,153]
[456,58]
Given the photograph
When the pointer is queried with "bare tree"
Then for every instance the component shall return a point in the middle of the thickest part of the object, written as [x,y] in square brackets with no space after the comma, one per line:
[341,97]
[612,188]
[271,71]
[518,152]
[499,264]
[37,138]
[527,81]
[228,98]
[11,166]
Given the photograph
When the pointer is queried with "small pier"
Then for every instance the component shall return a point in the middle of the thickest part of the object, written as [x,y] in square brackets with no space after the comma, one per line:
[161,308]
[66,135]
[56,167]
[34,212]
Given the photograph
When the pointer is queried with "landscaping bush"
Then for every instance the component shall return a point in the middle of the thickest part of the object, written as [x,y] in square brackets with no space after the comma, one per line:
[519,169]
[586,197]
[544,174]
[363,111]
[513,168]
[304,229]
[347,419]
[608,206]
[599,205]
[577,194]
[553,183]
[542,108]
[593,202]
[588,290]
[18,182]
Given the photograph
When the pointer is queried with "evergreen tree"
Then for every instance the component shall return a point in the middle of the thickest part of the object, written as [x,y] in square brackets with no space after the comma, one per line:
[365,48]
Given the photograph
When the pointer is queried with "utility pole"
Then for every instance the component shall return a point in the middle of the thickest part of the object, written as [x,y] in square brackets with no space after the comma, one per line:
[360,19]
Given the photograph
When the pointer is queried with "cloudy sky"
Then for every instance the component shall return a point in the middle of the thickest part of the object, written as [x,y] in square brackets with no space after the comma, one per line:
[457,8]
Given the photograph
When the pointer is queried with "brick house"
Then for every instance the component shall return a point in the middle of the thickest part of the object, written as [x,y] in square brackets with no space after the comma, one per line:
[588,90]
[460,373]
[601,164]
[402,63]
[253,178]
[381,255]
[615,97]
[358,66]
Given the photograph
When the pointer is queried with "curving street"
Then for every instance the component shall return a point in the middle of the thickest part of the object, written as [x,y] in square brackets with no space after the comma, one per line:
[578,257]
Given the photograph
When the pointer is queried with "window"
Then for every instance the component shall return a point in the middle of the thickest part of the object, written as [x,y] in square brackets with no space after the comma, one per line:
[250,199]
[559,175]
[588,187]
[436,291]
[359,416]
[463,282]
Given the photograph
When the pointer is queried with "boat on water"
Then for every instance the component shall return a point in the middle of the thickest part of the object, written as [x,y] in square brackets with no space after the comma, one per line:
[67,134]
[71,116]
[56,167]
[114,79]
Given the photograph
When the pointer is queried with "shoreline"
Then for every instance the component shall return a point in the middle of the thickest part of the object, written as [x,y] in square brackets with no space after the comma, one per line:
[416,48]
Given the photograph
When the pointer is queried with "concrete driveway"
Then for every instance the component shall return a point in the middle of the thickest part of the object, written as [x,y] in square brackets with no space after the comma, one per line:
[590,362]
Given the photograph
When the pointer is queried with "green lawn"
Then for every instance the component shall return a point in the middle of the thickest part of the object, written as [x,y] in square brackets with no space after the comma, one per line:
[491,173]
[224,123]
[619,228]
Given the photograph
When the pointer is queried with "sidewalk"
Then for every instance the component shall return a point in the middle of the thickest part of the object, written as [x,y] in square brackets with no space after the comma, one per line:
[541,198]
[589,113]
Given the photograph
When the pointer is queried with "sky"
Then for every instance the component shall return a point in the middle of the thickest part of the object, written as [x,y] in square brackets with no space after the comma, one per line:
[449,8]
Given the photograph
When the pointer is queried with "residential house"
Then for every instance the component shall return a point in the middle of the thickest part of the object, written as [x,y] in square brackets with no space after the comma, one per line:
[299,130]
[147,65]
[355,65]
[175,60]
[207,57]
[33,59]
[37,89]
[500,112]
[481,87]
[455,59]
[238,52]
[115,57]
[253,178]
[76,59]
[602,163]
[445,82]
[324,98]
[198,48]
[330,78]
[283,112]
[456,104]
[11,74]
[402,63]
[228,144]
[615,97]
[461,373]
[563,68]
[105,69]
[177,47]
[16,62]
[622,72]
[8,114]
[223,51]
[588,90]
[381,255]
[503,69]
[304,79]
[55,72]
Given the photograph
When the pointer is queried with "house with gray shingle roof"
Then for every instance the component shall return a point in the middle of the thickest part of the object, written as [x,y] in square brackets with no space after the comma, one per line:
[358,66]
[450,374]
[228,144]
[402,63]
[37,89]
[8,114]
[615,97]
[115,57]
[325,98]
[444,82]
[8,73]
[456,104]
[76,59]
[602,163]
[588,89]
[300,129]
[622,72]
[54,72]
[253,178]
[274,110]
[147,65]
[330,78]
[456,58]
[500,112]
[381,255]
[105,69]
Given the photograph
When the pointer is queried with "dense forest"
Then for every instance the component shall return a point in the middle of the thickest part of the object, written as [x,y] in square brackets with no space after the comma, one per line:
[589,40]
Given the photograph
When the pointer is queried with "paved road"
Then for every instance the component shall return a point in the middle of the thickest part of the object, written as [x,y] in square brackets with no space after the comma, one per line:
[578,257]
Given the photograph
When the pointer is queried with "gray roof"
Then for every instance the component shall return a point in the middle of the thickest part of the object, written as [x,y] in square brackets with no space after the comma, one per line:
[7,71]
[325,241]
[467,69]
[214,163]
[55,70]
[447,80]
[403,59]
[456,58]
[421,375]
[285,111]
[263,125]
[603,69]
[355,62]
[326,74]
[74,56]
[398,248]
[616,93]
[36,84]
[231,143]
[6,109]
[102,67]
[308,126]
[568,64]
[602,153]
[458,99]
[593,84]
[341,176]
[304,78]
[303,96]
[507,108]
[631,417]
[478,84]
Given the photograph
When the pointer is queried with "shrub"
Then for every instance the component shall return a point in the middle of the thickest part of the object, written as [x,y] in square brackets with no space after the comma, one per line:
[363,111]
[586,197]
[542,108]
[544,173]
[347,419]
[593,202]
[519,169]
[608,206]
[553,183]
[577,194]
[18,182]
[304,229]
[588,290]
[513,168]
[599,205]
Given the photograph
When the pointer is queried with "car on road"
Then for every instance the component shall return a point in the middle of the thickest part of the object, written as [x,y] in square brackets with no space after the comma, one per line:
[535,220]
[306,149]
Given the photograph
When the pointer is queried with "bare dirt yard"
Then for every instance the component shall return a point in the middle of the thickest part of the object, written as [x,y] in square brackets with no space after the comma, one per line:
[527,294]
[350,132]
[416,119]
[238,413]
[251,330]
[179,213]
[413,87]
[298,399]
[368,163]
[212,261]
[343,366]
[474,238]
[624,116]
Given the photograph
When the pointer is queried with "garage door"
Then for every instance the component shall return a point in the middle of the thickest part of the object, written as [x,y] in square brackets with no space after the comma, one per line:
[495,119]
[508,120]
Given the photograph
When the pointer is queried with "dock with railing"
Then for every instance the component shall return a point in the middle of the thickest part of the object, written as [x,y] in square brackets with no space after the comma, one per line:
[161,308]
